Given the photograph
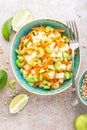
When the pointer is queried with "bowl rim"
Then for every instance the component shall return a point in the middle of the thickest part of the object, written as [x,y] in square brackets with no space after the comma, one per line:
[79,93]
[32,91]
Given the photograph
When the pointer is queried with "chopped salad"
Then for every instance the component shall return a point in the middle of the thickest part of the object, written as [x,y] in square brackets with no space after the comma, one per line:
[44,57]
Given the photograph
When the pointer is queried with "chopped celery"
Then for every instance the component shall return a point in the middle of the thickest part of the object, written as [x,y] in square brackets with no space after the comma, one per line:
[57,65]
[65,59]
[31,84]
[46,87]
[69,67]
[67,75]
[11,84]
[46,83]
[21,71]
[70,74]
[31,79]
[49,50]
[67,56]
[25,42]
[37,60]
[49,28]
[66,38]
[59,59]
[19,64]
[24,73]
[40,77]
[70,57]
[40,86]
[41,52]
[19,52]
[20,58]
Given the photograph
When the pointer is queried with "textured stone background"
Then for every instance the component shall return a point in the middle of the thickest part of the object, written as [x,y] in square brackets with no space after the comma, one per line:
[47,112]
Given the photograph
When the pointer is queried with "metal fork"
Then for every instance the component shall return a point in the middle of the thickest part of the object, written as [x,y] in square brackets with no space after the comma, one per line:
[74,39]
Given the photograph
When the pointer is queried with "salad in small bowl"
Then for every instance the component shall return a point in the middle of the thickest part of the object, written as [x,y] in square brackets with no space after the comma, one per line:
[82,87]
[41,57]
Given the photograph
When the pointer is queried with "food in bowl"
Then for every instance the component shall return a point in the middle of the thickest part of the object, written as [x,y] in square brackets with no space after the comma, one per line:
[83,88]
[44,57]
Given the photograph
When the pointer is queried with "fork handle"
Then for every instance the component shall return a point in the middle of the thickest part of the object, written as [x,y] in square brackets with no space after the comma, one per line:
[73,75]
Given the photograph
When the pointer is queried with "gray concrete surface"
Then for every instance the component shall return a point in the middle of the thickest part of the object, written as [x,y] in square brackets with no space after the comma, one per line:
[42,112]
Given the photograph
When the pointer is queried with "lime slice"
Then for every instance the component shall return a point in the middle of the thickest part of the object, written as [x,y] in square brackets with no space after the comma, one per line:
[3,79]
[18,103]
[21,18]
[6,29]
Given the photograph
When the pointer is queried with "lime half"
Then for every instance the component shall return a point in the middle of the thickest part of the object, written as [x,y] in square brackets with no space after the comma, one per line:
[80,122]
[3,79]
[18,103]
[21,18]
[6,29]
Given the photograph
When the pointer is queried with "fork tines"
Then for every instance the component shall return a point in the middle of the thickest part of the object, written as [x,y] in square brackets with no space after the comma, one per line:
[72,31]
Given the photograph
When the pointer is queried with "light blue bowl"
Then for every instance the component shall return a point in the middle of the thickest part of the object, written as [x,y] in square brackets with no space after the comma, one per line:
[79,87]
[24,31]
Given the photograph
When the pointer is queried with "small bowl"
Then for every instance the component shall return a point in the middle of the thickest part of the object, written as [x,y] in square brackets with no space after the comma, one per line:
[24,31]
[79,87]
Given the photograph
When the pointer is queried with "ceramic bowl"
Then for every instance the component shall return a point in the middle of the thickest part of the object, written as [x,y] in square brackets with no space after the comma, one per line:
[24,31]
[79,88]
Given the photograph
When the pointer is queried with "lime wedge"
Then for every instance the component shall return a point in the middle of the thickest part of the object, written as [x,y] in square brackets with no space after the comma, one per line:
[18,103]
[3,79]
[21,18]
[6,29]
